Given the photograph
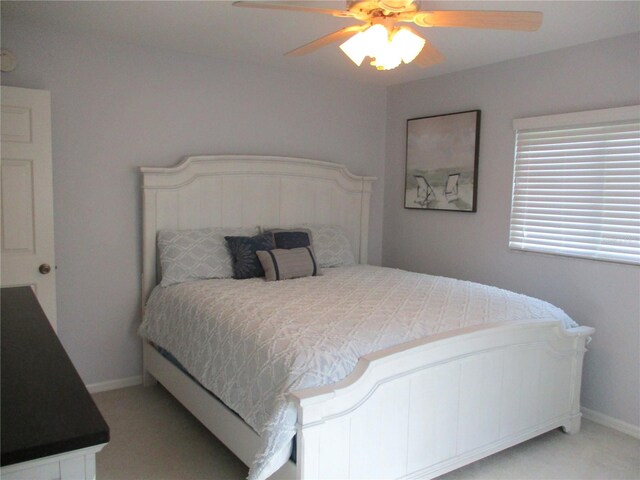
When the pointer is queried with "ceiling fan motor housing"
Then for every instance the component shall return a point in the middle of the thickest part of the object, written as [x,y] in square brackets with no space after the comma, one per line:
[367,8]
[395,6]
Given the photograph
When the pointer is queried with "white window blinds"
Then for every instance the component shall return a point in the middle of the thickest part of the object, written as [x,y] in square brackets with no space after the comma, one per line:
[576,185]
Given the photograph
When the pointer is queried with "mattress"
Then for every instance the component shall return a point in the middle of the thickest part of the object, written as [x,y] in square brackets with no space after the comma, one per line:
[252,342]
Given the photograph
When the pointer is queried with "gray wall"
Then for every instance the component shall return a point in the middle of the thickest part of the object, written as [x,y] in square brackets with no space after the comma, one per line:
[474,246]
[116,107]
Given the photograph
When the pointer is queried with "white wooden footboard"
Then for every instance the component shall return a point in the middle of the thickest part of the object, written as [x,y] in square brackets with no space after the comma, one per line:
[425,408]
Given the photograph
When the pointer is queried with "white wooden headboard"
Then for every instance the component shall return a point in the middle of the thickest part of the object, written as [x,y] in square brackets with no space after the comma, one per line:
[251,190]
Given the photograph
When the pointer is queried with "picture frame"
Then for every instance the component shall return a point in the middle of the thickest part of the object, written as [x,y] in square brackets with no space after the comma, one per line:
[441,169]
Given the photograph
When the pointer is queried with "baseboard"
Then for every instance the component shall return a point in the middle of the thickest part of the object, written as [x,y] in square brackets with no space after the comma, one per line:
[114,384]
[607,421]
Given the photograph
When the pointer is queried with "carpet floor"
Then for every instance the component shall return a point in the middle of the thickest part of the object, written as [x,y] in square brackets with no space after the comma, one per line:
[153,437]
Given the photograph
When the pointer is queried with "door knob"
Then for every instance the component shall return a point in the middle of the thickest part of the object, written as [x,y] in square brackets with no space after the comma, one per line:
[44,268]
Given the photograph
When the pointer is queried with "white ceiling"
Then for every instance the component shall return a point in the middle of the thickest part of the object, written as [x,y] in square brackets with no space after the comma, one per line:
[215,29]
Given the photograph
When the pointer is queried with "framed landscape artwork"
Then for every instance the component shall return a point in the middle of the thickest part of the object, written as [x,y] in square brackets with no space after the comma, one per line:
[442,162]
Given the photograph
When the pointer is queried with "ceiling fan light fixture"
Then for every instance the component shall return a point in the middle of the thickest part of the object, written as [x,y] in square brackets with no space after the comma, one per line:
[387,50]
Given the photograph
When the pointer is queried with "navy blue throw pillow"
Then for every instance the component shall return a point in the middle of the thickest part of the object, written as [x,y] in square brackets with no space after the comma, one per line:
[293,239]
[243,253]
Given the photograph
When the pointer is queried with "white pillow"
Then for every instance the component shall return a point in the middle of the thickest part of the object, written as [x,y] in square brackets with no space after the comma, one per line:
[330,244]
[187,255]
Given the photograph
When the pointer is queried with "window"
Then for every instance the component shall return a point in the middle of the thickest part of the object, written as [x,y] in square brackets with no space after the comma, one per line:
[576,185]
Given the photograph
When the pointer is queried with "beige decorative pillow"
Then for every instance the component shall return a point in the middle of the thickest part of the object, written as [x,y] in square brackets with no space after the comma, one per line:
[283,264]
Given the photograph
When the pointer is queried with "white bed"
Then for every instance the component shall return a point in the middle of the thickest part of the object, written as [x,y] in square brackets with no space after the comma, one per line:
[413,410]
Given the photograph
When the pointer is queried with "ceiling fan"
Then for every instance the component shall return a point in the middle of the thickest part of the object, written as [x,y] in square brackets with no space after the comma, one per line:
[387,44]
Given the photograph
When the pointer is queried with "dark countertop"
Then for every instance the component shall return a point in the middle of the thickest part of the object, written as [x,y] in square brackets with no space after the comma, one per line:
[45,407]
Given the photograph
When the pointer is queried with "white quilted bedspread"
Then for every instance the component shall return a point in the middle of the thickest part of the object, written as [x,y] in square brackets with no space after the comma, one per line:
[251,342]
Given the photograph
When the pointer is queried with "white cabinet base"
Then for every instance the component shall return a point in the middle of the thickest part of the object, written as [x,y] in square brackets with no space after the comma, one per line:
[74,465]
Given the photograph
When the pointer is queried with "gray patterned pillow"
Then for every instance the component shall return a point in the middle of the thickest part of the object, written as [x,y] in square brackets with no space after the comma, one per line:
[187,255]
[331,246]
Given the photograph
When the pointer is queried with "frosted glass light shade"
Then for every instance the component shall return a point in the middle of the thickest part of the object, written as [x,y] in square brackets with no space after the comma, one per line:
[365,44]
[355,48]
[377,38]
[408,44]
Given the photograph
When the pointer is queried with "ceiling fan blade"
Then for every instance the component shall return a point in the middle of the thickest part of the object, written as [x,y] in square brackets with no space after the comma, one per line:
[342,34]
[293,8]
[428,56]
[520,21]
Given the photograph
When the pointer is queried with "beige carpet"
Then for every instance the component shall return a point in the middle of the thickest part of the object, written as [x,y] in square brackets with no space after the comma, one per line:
[153,437]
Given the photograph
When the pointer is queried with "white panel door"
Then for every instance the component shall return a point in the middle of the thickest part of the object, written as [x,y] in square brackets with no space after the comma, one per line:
[26,195]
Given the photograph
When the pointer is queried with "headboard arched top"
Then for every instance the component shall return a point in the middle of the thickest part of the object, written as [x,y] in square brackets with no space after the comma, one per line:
[251,190]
